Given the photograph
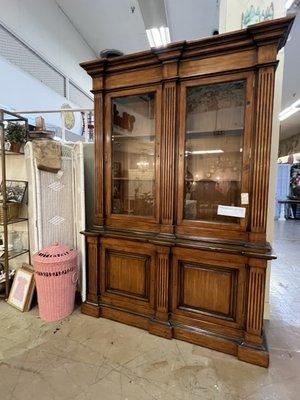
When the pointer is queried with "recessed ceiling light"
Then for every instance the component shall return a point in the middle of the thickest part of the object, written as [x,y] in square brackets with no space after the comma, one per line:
[158,37]
[205,151]
[292,109]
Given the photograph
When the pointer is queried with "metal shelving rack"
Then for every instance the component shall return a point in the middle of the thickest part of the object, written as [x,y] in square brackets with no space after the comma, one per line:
[9,255]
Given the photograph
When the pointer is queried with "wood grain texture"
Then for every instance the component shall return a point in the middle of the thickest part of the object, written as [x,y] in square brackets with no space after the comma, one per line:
[208,287]
[127,274]
[275,31]
[196,280]
[263,137]
[168,153]
[93,268]
[162,281]
[98,161]
[217,287]
[255,303]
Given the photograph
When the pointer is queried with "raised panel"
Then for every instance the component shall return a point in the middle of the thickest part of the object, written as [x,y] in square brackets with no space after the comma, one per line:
[127,274]
[208,289]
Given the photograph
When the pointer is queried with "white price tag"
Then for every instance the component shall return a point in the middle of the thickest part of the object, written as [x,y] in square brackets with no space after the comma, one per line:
[230,211]
[244,198]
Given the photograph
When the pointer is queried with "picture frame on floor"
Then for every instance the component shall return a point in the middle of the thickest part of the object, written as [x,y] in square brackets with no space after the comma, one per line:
[22,289]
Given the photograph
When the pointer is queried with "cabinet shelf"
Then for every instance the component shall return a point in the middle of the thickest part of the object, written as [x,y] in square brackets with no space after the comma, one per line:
[129,136]
[13,254]
[134,179]
[232,132]
[15,221]
[210,180]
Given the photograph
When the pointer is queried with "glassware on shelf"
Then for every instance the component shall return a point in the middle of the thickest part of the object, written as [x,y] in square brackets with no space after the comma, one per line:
[133,155]
[213,149]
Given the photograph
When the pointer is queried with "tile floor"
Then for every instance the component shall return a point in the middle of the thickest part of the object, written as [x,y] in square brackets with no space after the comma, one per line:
[82,358]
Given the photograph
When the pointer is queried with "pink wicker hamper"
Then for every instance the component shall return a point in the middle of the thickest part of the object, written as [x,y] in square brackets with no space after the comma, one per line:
[55,271]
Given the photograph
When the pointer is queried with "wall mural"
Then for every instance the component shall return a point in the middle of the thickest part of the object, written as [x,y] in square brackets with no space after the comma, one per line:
[253,15]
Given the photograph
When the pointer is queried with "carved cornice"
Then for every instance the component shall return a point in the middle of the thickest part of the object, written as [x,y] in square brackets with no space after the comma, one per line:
[269,32]
[273,31]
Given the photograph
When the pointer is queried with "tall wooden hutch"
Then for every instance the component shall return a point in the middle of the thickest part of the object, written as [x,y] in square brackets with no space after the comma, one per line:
[182,159]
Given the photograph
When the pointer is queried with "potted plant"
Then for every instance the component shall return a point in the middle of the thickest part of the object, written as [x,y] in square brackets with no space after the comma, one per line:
[15,133]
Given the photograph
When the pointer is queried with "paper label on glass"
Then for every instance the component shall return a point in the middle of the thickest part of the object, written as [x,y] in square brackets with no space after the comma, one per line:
[244,198]
[230,211]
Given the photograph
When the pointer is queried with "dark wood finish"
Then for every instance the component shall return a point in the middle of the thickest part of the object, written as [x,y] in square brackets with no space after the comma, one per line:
[219,278]
[197,228]
[127,275]
[202,281]
[118,220]
[261,165]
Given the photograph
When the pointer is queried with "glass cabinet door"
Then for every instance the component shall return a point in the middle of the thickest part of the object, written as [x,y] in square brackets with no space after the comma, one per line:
[214,133]
[133,145]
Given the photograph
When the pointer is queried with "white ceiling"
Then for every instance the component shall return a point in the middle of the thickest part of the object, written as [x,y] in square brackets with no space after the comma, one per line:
[111,24]
[118,24]
[192,19]
[108,24]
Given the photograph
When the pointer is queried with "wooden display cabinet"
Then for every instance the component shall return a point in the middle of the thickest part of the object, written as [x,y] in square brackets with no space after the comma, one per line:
[182,161]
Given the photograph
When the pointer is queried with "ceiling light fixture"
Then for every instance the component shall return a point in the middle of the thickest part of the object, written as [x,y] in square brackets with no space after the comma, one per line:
[158,37]
[292,109]
[205,151]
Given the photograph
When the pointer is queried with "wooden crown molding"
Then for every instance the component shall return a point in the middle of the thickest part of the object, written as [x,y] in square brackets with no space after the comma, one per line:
[264,33]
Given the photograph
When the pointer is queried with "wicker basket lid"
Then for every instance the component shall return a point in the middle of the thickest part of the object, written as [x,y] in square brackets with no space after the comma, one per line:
[53,253]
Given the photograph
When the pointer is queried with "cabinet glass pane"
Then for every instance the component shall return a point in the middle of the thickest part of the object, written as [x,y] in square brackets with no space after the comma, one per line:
[133,155]
[213,149]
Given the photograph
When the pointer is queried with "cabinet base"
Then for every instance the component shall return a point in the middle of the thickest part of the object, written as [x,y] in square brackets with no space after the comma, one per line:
[90,309]
[254,355]
[160,328]
[257,355]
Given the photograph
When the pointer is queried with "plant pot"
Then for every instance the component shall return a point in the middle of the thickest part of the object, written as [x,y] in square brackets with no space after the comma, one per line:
[15,147]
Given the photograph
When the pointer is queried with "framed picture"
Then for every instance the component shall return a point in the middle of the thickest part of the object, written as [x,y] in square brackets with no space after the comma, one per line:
[15,191]
[22,289]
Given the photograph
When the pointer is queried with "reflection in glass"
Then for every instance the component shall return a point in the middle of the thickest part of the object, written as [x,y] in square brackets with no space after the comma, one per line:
[213,149]
[133,150]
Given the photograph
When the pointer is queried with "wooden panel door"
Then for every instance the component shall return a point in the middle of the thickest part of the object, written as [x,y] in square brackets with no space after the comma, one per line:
[127,275]
[208,287]
[214,155]
[132,158]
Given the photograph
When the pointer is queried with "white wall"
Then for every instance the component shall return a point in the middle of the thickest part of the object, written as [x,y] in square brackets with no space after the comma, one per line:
[44,27]
[230,15]
[19,91]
